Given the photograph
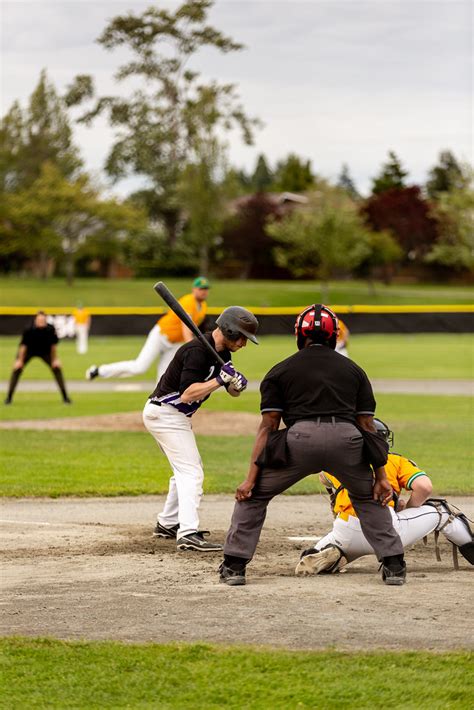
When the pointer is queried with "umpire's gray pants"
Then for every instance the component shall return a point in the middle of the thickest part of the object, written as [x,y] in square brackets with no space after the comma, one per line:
[334,447]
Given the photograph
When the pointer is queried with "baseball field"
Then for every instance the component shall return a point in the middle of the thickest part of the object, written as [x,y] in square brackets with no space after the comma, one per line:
[97,613]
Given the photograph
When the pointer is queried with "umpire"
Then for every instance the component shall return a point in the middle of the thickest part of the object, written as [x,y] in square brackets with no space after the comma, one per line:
[40,340]
[320,395]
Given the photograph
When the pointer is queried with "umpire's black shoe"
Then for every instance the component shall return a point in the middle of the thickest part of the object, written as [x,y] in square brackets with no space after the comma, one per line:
[169,533]
[394,571]
[232,577]
[196,541]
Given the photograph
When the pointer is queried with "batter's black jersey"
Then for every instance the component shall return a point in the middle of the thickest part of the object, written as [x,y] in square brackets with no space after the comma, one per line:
[39,341]
[192,363]
[316,381]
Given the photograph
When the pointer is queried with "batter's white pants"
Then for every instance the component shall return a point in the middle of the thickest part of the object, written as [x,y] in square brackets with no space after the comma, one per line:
[174,435]
[412,524]
[82,337]
[156,345]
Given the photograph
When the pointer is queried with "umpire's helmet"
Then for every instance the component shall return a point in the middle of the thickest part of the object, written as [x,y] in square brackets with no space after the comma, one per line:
[318,323]
[236,321]
[383,429]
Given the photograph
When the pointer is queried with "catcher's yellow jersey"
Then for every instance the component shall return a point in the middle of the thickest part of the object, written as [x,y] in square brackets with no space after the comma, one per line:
[401,473]
[171,326]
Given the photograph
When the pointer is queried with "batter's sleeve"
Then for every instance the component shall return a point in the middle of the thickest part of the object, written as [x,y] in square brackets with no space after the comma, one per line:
[195,368]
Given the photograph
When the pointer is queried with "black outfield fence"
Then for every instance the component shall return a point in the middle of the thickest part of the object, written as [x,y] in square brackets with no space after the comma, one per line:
[273,321]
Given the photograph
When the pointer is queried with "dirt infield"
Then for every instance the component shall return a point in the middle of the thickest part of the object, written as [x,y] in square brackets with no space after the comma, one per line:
[204,422]
[90,569]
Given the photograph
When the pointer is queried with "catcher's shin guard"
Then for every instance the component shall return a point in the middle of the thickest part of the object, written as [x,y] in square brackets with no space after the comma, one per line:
[467,549]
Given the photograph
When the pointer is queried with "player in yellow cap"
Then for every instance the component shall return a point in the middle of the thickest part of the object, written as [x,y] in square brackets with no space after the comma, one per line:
[163,340]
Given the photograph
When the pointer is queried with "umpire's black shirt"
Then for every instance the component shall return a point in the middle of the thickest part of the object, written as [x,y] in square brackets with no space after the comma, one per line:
[316,381]
[192,363]
[39,341]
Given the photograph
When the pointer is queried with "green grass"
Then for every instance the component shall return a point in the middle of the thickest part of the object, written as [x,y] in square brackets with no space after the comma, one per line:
[45,673]
[17,291]
[434,430]
[424,356]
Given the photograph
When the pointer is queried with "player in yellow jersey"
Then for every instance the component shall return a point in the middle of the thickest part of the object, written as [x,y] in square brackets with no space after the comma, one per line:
[163,340]
[82,323]
[342,338]
[413,519]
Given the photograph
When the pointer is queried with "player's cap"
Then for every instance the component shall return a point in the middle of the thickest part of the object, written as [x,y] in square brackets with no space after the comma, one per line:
[201,282]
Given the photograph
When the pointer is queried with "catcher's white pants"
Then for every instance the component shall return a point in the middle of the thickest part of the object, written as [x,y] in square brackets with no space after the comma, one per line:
[82,336]
[156,345]
[412,524]
[173,433]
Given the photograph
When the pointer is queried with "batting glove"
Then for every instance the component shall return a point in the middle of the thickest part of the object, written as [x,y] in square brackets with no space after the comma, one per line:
[226,374]
[239,382]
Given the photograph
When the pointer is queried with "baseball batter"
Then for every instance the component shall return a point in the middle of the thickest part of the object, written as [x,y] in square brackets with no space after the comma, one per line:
[163,340]
[190,379]
[413,520]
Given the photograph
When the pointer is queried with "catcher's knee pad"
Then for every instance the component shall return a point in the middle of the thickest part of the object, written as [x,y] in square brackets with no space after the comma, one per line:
[467,551]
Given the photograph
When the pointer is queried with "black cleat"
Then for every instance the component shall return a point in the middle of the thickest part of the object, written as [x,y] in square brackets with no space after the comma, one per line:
[394,571]
[8,400]
[232,577]
[196,541]
[66,400]
[169,533]
[92,372]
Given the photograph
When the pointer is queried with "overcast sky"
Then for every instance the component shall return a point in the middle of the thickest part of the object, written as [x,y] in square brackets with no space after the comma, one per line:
[332,81]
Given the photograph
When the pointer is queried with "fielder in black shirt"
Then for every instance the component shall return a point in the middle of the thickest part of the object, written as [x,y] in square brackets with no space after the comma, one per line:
[40,340]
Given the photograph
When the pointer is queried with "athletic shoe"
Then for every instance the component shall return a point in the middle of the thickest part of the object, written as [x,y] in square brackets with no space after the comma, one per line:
[195,541]
[394,571]
[232,577]
[328,560]
[7,400]
[92,372]
[66,400]
[169,533]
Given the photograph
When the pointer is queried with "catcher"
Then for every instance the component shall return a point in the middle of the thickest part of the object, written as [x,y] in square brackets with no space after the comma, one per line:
[413,519]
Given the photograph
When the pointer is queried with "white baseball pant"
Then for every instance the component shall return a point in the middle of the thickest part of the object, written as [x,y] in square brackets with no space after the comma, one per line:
[173,433]
[156,345]
[82,337]
[412,524]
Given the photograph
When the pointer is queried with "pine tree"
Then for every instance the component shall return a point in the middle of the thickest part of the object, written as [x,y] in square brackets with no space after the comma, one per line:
[392,176]
[293,174]
[345,182]
[447,175]
[262,177]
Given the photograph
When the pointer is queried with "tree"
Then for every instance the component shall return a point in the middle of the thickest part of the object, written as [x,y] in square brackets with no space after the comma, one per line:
[53,218]
[246,243]
[293,174]
[324,237]
[454,248]
[383,253]
[40,134]
[262,178]
[391,177]
[204,196]
[408,217]
[447,175]
[170,110]
[345,182]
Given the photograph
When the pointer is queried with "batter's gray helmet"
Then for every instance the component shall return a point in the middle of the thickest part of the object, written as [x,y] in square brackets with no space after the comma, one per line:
[236,321]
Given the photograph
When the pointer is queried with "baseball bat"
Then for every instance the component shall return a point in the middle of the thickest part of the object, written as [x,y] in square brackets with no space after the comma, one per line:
[163,291]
